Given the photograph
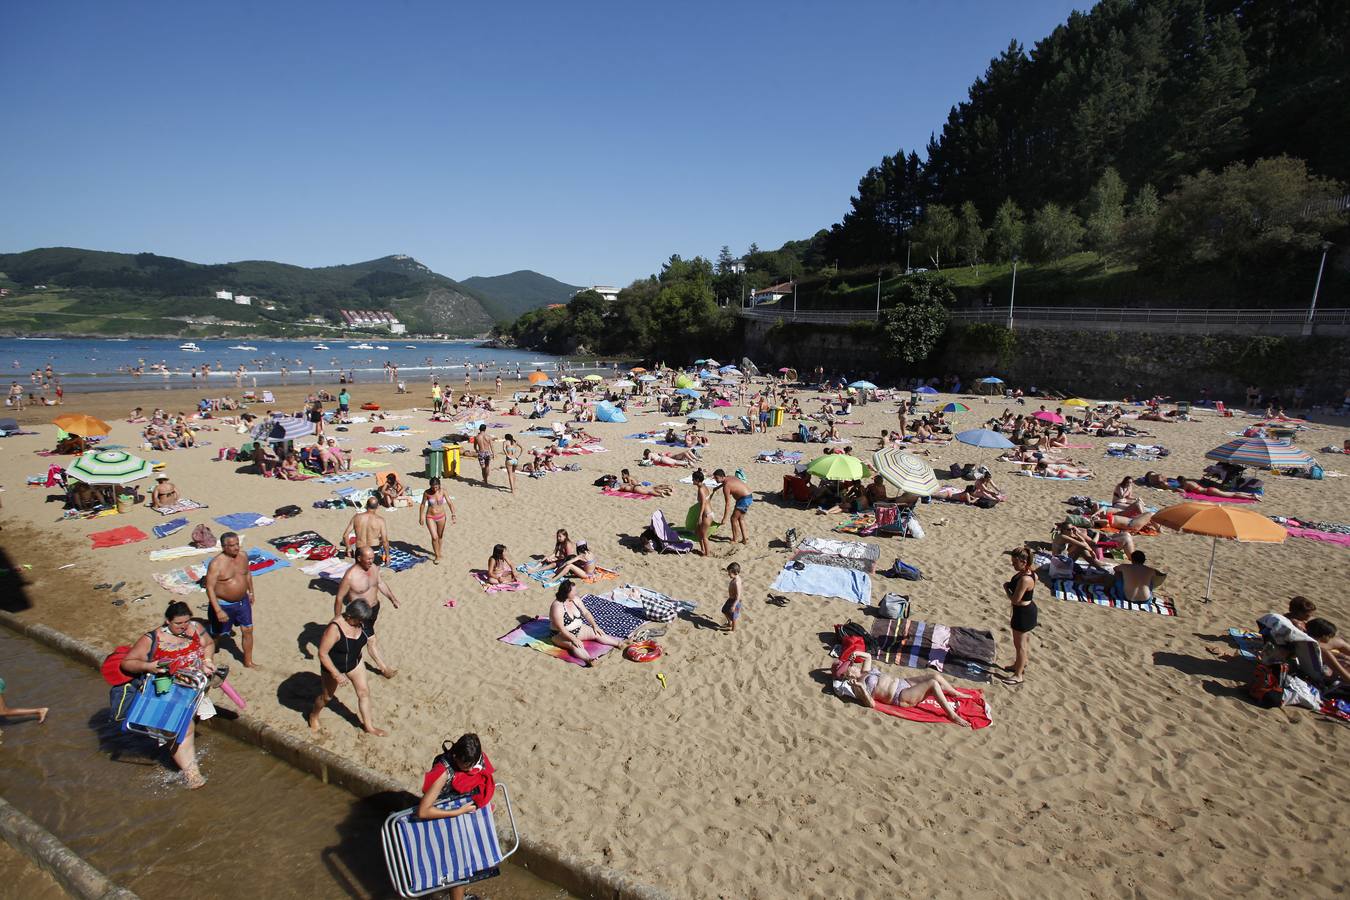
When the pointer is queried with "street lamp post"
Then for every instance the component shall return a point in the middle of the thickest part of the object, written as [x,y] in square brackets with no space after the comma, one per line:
[1312,308]
[1012,294]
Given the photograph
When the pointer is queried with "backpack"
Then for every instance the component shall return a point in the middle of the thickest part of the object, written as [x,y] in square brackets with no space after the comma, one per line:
[285,512]
[1267,685]
[1316,472]
[605,481]
[853,629]
[904,570]
[203,537]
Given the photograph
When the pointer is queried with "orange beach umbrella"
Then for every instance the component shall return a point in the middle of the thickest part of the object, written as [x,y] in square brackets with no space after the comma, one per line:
[1219,521]
[81,425]
[537,376]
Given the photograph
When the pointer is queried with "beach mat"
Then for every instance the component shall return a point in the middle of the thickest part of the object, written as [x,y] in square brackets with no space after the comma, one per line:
[304,545]
[1206,498]
[1248,643]
[974,710]
[481,576]
[1104,595]
[261,561]
[242,520]
[542,573]
[535,635]
[614,619]
[169,527]
[1312,534]
[116,537]
[824,581]
[958,651]
[401,560]
[183,505]
[627,495]
[343,477]
[186,580]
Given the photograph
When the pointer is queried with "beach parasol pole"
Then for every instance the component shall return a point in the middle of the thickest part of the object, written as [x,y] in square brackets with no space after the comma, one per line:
[1209,583]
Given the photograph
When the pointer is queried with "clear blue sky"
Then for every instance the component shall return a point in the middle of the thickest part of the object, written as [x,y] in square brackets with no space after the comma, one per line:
[588,141]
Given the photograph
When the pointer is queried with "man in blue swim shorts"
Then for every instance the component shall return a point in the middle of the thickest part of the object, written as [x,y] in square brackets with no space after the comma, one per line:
[737,492]
[230,593]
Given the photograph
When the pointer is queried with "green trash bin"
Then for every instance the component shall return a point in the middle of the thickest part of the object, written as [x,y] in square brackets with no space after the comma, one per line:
[435,462]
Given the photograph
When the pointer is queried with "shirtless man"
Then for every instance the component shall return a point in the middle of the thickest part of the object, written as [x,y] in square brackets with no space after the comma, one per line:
[737,492]
[482,445]
[1137,581]
[363,582]
[366,529]
[164,493]
[230,594]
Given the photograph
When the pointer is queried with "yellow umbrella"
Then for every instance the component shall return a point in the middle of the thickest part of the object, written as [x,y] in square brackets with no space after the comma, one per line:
[1219,521]
[1078,401]
[537,376]
[82,425]
[592,378]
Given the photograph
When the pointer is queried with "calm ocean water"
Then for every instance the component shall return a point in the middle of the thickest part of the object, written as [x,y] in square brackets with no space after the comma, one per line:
[93,364]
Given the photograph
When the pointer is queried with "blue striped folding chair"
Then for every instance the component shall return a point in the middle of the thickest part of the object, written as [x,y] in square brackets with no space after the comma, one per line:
[425,856]
[164,717]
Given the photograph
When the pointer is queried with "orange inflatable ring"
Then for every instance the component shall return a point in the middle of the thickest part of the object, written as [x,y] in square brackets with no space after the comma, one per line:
[643,651]
[370,406]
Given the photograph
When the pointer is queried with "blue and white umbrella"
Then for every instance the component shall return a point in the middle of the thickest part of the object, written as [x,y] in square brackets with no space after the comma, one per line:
[687,392]
[863,385]
[983,437]
[926,390]
[991,380]
[705,414]
[608,412]
[648,378]
[284,428]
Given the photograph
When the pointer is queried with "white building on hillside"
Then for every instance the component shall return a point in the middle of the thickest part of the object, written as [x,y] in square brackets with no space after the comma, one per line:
[244,300]
[609,293]
[224,295]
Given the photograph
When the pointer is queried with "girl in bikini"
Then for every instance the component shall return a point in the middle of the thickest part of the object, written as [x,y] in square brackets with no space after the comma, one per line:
[500,569]
[579,565]
[573,624]
[855,678]
[563,548]
[512,451]
[432,514]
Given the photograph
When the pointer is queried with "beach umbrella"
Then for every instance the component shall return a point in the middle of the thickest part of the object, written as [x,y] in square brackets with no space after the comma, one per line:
[983,437]
[1233,523]
[905,471]
[1046,416]
[687,392]
[537,377]
[704,373]
[683,381]
[622,384]
[711,363]
[648,378]
[838,467]
[592,378]
[1261,452]
[285,428]
[990,379]
[727,368]
[1079,401]
[108,467]
[705,414]
[955,408]
[863,385]
[607,412]
[926,390]
[570,380]
[637,370]
[82,425]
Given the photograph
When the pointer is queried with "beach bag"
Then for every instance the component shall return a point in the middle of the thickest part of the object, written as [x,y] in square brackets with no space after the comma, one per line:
[124,687]
[286,512]
[1267,685]
[853,629]
[659,609]
[605,481]
[1316,472]
[202,537]
[904,570]
[894,606]
[909,525]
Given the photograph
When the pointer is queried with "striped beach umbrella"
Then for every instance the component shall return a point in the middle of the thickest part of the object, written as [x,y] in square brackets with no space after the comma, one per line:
[108,467]
[905,471]
[1261,452]
[284,428]
[955,407]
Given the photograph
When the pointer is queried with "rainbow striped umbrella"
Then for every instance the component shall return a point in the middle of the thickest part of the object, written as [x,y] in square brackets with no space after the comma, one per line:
[1261,452]
[905,471]
[955,407]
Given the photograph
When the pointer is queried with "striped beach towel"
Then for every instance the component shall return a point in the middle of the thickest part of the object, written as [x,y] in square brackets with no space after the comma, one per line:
[1109,596]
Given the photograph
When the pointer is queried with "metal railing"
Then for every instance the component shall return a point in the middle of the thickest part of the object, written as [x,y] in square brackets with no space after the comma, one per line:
[813,316]
[1074,314]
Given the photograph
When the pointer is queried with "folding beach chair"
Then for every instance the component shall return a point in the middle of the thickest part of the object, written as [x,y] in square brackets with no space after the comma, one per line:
[164,717]
[268,398]
[1222,410]
[671,542]
[429,855]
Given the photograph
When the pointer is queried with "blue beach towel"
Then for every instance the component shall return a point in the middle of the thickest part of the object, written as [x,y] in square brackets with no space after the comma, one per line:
[169,527]
[242,520]
[401,560]
[261,561]
[825,581]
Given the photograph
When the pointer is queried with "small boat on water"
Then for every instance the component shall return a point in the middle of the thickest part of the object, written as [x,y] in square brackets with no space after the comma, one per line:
[243,347]
[319,347]
[381,347]
[189,347]
[410,346]
[360,347]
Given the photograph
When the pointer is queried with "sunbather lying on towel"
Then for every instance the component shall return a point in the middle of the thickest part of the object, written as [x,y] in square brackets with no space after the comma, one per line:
[855,678]
[681,458]
[1192,486]
[626,483]
[1048,469]
[1077,538]
[982,489]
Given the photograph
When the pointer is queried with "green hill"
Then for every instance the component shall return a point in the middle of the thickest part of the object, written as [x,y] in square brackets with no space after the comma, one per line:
[508,296]
[91,285]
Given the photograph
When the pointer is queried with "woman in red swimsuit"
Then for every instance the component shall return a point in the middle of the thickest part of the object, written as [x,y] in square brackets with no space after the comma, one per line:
[180,643]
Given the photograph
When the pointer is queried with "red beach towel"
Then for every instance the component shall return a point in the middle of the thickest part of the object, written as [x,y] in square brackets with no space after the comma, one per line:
[115,537]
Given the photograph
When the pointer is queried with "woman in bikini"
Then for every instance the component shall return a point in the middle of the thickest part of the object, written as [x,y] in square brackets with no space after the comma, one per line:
[626,483]
[432,513]
[855,678]
[340,651]
[1047,469]
[1020,590]
[573,624]
[1191,486]
[182,642]
[579,565]
[512,451]
[681,458]
[705,517]
[500,569]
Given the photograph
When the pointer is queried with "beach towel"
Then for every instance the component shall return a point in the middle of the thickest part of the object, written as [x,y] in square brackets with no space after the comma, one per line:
[535,635]
[614,619]
[858,523]
[974,710]
[1030,474]
[582,450]
[115,537]
[369,464]
[242,520]
[401,560]
[261,561]
[304,545]
[169,527]
[186,550]
[1248,643]
[958,651]
[342,477]
[1104,595]
[824,581]
[627,495]
[331,569]
[635,596]
[543,573]
[186,580]
[780,457]
[841,562]
[481,576]
[851,549]
[1312,534]
[183,505]
[1206,498]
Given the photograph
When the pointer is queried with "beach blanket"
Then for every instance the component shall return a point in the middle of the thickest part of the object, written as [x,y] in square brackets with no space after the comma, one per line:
[304,545]
[627,495]
[543,573]
[261,561]
[614,619]
[1248,643]
[1029,474]
[635,596]
[974,710]
[342,477]
[401,560]
[959,651]
[115,537]
[331,569]
[186,580]
[369,464]
[851,549]
[858,523]
[841,562]
[1206,498]
[1312,534]
[183,505]
[481,576]
[388,448]
[824,581]
[169,527]
[242,520]
[536,635]
[1109,596]
[780,457]
[582,450]
[186,550]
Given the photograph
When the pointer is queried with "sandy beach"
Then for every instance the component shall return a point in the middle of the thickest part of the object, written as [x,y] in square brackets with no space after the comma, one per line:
[1130,762]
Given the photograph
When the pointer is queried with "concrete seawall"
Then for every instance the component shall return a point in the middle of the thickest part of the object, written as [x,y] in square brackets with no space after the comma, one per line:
[77,877]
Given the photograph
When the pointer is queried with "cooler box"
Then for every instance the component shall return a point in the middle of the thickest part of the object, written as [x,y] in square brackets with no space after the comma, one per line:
[435,462]
[775,417]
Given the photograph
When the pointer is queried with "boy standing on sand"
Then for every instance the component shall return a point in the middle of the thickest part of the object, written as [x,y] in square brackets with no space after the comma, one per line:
[732,608]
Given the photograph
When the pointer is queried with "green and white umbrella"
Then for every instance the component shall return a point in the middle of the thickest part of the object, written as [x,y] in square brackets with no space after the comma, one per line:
[108,467]
[905,471]
[838,467]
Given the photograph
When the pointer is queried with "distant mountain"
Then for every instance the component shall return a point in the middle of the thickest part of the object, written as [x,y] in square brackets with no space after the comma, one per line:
[506,297]
[424,300]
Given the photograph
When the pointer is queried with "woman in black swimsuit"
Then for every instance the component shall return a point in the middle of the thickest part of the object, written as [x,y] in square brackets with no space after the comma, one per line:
[1021,593]
[340,662]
